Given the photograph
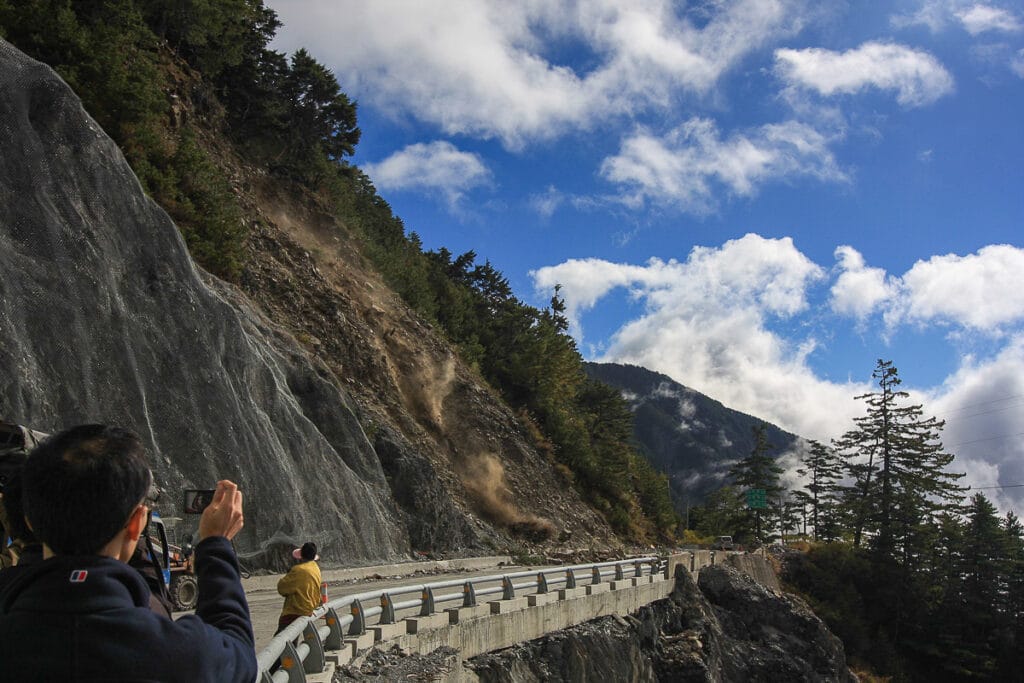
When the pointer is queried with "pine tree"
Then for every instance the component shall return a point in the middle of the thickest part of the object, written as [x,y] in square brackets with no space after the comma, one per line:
[321,121]
[983,566]
[898,464]
[758,471]
[1011,605]
[823,468]
[722,513]
[786,514]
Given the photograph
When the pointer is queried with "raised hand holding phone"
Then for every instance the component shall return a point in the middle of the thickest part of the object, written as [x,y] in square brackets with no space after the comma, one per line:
[223,517]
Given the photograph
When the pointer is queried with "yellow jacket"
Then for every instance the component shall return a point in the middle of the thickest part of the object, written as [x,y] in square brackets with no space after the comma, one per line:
[301,589]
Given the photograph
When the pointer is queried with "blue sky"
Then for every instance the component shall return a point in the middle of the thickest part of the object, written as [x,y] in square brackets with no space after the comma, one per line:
[758,198]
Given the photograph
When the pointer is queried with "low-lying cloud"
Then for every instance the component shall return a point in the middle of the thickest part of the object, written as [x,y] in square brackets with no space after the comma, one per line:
[742,322]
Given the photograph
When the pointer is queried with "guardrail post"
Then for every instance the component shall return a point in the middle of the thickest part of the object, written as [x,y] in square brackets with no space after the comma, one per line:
[638,569]
[570,578]
[427,602]
[333,641]
[290,664]
[508,591]
[619,576]
[314,662]
[542,583]
[387,609]
[468,595]
[358,626]
[595,575]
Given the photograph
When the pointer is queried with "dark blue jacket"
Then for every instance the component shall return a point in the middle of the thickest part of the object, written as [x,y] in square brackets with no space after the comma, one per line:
[87,618]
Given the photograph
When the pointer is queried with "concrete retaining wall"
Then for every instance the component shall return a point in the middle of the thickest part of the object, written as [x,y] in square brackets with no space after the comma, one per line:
[497,631]
[757,568]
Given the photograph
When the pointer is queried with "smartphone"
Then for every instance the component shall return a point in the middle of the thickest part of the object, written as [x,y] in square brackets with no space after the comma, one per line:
[196,500]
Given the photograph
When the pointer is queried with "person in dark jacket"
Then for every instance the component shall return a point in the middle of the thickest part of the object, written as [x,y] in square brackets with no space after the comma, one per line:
[82,613]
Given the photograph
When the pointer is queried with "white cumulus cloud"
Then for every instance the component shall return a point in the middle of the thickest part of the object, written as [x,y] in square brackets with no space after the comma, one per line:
[981,18]
[485,67]
[984,291]
[858,290]
[917,77]
[685,167]
[706,324]
[438,166]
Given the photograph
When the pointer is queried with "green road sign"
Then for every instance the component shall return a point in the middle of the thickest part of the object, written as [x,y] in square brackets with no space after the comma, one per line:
[756,499]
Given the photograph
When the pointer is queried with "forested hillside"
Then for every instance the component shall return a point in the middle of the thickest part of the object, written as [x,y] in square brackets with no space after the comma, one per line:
[192,93]
[921,578]
[691,437]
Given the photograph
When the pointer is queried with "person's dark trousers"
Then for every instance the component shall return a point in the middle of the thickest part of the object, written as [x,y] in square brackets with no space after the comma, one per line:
[283,622]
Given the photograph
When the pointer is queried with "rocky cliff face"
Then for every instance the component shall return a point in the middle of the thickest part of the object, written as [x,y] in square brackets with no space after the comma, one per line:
[343,417]
[725,627]
[105,318]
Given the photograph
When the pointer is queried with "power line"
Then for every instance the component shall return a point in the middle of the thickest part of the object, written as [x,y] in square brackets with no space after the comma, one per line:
[957,418]
[990,438]
[985,403]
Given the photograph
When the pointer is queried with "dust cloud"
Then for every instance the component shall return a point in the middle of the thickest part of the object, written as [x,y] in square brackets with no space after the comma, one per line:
[484,479]
[437,385]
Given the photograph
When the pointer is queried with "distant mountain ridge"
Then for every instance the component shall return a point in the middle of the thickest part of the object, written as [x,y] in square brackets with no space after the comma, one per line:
[691,437]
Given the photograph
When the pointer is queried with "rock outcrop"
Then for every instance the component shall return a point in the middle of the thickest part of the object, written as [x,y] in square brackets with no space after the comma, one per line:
[104,317]
[725,627]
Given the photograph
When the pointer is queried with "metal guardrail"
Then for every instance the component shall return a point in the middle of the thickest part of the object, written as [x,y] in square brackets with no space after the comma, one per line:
[302,647]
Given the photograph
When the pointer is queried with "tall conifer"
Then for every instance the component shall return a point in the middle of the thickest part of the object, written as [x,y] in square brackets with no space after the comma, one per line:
[899,466]
[823,468]
[758,471]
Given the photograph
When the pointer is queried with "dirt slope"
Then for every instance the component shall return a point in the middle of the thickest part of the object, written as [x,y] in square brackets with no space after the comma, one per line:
[460,464]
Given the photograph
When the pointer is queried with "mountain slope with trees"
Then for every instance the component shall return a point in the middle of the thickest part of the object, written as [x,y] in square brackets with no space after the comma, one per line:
[246,149]
[690,437]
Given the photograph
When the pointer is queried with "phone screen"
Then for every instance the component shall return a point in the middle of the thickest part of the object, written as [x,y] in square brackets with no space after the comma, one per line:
[196,500]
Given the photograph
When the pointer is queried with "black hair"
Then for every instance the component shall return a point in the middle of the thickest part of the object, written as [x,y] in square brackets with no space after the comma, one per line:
[308,551]
[81,485]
